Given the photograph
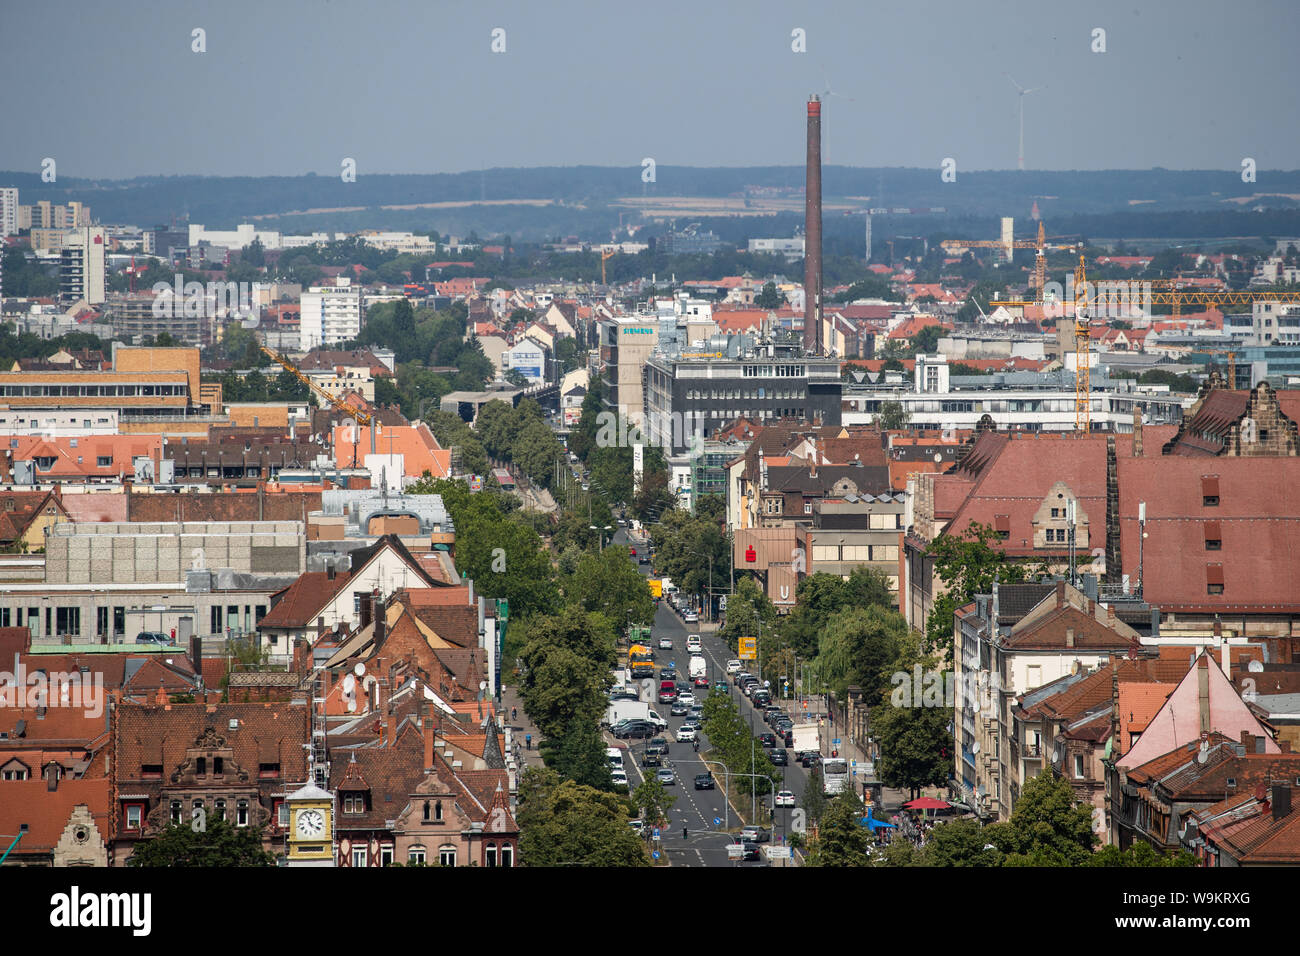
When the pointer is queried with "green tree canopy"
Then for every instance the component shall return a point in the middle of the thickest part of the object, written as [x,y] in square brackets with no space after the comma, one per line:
[562,823]
[220,845]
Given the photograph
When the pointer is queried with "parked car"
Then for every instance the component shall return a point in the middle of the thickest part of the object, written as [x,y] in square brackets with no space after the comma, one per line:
[157,638]
[785,798]
[767,740]
[652,760]
[629,729]
[665,643]
[678,709]
[686,733]
[779,756]
[733,667]
[756,834]
[704,781]
[659,724]
[619,777]
[666,776]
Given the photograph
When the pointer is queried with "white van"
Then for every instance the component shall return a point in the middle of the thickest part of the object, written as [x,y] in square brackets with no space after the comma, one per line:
[615,757]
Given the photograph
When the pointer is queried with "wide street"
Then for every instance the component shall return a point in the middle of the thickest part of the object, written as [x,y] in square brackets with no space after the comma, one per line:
[709,823]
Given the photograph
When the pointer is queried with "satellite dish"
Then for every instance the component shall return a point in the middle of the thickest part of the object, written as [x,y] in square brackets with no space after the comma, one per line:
[360,669]
[938,457]
[1203,754]
[1255,667]
[975,747]
[349,684]
[1056,757]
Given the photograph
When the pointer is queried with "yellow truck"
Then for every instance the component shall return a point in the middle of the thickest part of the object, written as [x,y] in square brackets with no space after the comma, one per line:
[640,661]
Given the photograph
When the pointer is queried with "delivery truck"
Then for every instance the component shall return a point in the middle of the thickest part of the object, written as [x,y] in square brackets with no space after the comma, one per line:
[699,671]
[627,710]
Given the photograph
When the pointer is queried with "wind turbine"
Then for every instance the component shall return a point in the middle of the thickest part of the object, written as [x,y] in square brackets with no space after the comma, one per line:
[1021,99]
[827,94]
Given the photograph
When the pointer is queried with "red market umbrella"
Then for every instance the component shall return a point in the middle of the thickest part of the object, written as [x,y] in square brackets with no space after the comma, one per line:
[927,803]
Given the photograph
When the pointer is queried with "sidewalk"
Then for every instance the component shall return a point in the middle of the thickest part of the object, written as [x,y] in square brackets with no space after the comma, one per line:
[520,727]
[891,800]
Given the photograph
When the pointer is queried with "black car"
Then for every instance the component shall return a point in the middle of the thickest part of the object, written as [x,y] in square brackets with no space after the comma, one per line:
[628,729]
[786,737]
[762,698]
[668,675]
[704,781]
[771,714]
[779,756]
[767,740]
[809,758]
[750,849]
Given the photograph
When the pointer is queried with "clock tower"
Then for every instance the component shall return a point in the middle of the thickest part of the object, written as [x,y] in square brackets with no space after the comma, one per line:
[311,827]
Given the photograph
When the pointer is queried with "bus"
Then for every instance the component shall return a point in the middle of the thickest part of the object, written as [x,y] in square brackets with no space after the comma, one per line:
[835,775]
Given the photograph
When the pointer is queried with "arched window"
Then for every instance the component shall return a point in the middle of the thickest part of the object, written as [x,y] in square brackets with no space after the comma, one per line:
[507,855]
[415,855]
[426,810]
[437,810]
[446,855]
[490,854]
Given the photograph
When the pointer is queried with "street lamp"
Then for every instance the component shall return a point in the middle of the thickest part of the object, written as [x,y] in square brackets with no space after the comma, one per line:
[601,531]
[708,611]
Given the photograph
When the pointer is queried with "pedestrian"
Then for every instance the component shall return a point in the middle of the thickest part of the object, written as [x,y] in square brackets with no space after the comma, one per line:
[528,741]
[696,743]
[514,713]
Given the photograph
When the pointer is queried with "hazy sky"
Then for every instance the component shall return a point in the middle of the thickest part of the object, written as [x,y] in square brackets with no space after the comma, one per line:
[113,89]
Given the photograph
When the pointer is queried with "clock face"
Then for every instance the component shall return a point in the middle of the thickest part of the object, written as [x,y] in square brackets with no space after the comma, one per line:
[311,823]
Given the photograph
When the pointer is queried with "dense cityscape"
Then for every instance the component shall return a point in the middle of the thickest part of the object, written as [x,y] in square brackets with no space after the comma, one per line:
[743,520]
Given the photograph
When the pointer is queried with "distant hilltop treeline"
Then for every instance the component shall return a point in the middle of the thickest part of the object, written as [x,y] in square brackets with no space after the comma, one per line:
[586,196]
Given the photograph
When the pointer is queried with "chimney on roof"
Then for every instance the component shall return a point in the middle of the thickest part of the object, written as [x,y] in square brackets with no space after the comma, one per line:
[1281,801]
[1137,430]
[1060,594]
[428,740]
[1111,619]
[1225,659]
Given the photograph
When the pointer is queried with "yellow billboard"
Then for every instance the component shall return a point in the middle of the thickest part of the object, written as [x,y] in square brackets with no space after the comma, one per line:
[656,587]
[749,648]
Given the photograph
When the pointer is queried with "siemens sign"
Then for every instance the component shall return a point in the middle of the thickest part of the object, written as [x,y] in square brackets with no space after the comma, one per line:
[638,331]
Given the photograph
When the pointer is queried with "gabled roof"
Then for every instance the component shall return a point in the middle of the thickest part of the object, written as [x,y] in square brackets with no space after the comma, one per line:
[1203,701]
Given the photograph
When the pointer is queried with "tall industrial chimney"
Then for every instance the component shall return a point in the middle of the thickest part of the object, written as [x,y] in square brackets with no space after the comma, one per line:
[812,262]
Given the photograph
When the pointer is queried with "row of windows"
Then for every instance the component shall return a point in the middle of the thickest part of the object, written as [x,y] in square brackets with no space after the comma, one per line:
[736,394]
[66,621]
[90,391]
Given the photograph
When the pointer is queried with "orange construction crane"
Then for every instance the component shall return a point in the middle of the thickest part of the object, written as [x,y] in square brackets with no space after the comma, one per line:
[1082,355]
[356,414]
[605,254]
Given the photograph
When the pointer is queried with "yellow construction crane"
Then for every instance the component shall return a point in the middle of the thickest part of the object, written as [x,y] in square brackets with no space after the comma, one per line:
[356,414]
[1039,244]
